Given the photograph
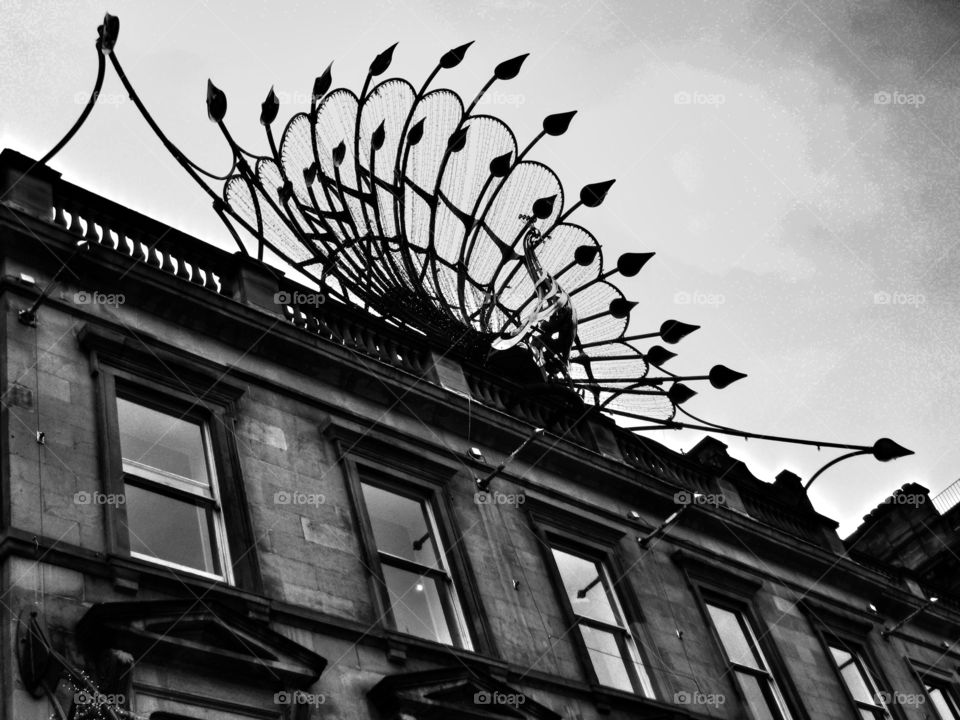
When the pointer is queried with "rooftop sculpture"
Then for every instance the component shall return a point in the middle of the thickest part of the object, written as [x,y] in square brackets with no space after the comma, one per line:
[408,202]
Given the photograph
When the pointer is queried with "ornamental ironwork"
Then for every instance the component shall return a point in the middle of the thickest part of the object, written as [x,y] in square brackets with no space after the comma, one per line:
[409,202]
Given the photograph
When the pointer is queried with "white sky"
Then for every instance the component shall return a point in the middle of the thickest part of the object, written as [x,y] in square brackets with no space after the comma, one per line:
[783,202]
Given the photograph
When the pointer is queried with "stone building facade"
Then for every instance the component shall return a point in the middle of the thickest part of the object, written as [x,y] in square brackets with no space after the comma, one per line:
[224,497]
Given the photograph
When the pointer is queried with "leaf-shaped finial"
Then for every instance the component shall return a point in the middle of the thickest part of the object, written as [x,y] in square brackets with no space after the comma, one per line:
[658,355]
[501,164]
[382,61]
[543,207]
[680,393]
[109,32]
[285,192]
[415,134]
[379,135]
[886,449]
[586,254]
[454,57]
[509,69]
[629,264]
[322,84]
[216,102]
[339,152]
[458,140]
[594,194]
[673,331]
[721,376]
[557,124]
[269,108]
[310,174]
[621,307]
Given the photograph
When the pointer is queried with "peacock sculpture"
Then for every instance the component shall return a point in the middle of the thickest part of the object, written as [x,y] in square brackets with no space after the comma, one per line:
[410,203]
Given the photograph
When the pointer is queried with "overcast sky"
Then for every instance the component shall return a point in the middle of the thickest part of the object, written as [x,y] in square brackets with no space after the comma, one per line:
[795,166]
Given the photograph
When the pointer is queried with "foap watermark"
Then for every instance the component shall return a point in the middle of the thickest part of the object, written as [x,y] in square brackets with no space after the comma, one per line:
[284,497]
[298,697]
[485,697]
[495,497]
[695,97]
[298,97]
[685,497]
[96,297]
[895,97]
[915,299]
[682,297]
[115,99]
[900,698]
[699,698]
[502,98]
[298,297]
[99,498]
[89,697]
[911,499]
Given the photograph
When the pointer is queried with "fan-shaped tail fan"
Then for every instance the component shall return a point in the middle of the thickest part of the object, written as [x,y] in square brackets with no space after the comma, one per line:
[410,203]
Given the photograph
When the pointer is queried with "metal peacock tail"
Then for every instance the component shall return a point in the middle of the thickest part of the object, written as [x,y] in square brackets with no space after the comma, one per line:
[428,214]
[414,205]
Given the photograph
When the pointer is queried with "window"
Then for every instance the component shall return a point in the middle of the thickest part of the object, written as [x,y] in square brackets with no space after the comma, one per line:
[858,680]
[943,699]
[750,668]
[601,622]
[170,470]
[173,512]
[421,598]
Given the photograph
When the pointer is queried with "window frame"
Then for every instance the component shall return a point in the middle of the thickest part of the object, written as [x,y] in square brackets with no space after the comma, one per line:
[630,650]
[169,380]
[176,405]
[454,611]
[594,541]
[737,589]
[411,466]
[868,672]
[851,631]
[770,686]
[943,680]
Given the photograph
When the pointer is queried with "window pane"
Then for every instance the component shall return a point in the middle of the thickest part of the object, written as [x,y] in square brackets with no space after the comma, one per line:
[945,708]
[733,637]
[756,701]
[857,684]
[606,658]
[417,606]
[586,588]
[646,686]
[169,529]
[400,526]
[158,440]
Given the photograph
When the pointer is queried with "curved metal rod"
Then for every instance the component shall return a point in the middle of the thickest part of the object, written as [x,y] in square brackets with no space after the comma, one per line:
[101,67]
[171,148]
[723,430]
[833,462]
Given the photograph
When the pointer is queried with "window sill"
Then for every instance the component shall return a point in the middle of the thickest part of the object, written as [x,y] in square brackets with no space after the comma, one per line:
[129,573]
[400,646]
